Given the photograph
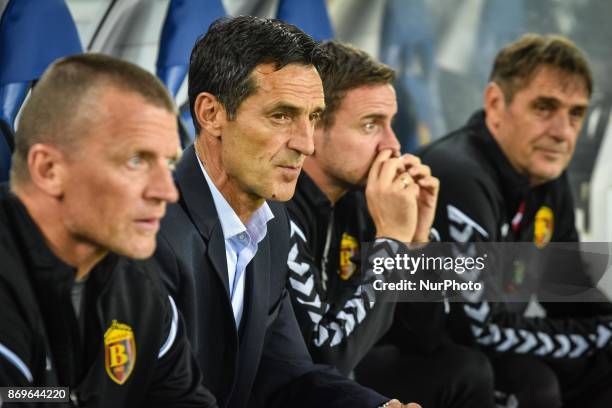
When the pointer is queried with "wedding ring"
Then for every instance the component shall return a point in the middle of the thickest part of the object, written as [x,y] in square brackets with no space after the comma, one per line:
[405,182]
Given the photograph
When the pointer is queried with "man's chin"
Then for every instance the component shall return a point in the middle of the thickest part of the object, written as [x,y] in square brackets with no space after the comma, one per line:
[284,193]
[545,176]
[281,196]
[360,185]
[138,252]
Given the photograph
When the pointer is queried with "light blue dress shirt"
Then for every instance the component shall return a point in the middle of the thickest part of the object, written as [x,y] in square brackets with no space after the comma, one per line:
[240,242]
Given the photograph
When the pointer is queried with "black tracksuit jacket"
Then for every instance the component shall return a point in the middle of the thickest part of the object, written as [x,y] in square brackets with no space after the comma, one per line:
[479,198]
[340,317]
[42,342]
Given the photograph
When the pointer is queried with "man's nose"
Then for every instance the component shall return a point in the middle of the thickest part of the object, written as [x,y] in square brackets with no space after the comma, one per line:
[389,141]
[161,186]
[302,137]
[561,127]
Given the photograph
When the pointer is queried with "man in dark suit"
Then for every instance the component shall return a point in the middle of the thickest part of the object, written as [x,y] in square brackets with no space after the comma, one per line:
[255,95]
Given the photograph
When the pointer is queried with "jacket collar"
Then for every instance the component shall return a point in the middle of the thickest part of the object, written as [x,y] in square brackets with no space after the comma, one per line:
[195,194]
[46,265]
[197,201]
[32,241]
[312,194]
[514,185]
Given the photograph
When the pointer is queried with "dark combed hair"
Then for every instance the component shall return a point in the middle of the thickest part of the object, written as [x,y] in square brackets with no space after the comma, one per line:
[223,60]
[516,63]
[347,68]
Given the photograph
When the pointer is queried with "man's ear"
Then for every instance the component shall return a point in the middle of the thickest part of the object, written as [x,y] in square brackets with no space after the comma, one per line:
[210,114]
[494,105]
[46,165]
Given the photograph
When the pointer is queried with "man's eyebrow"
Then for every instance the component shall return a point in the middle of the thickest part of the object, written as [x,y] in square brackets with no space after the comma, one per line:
[375,116]
[319,109]
[292,109]
[551,100]
[175,158]
[285,107]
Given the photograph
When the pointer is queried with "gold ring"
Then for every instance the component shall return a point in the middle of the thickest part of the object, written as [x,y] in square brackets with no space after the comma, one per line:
[406,182]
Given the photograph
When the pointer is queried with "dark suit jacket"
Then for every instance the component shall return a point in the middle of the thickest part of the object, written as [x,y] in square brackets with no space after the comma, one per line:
[264,363]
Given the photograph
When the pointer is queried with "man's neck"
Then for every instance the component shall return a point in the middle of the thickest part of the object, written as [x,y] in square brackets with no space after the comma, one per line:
[79,254]
[533,182]
[328,185]
[244,204]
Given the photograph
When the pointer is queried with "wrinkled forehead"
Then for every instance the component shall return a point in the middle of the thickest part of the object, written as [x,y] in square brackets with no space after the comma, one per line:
[124,117]
[557,83]
[296,84]
[269,77]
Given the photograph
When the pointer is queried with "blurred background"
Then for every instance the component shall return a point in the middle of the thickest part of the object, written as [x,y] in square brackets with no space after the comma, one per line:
[442,51]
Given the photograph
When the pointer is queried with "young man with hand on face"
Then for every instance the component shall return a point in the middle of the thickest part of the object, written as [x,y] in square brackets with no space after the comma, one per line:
[331,215]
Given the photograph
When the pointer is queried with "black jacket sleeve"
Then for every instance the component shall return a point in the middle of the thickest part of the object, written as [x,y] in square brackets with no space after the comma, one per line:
[16,347]
[337,332]
[20,355]
[287,376]
[177,381]
[467,214]
[577,268]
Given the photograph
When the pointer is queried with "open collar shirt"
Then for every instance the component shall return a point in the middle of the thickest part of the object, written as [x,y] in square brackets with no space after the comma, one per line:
[240,242]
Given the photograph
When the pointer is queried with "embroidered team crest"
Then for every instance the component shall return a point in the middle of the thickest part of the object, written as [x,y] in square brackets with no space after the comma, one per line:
[543,227]
[348,248]
[119,352]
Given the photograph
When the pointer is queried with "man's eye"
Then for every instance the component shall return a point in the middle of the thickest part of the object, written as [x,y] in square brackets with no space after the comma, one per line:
[578,114]
[370,127]
[543,107]
[135,162]
[315,116]
[280,117]
[172,164]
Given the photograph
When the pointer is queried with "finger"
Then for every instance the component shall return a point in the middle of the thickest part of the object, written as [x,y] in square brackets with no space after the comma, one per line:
[405,184]
[412,405]
[419,170]
[430,191]
[390,170]
[376,165]
[410,160]
[430,183]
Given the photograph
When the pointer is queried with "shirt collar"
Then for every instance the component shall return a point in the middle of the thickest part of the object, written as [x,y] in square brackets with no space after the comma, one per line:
[230,222]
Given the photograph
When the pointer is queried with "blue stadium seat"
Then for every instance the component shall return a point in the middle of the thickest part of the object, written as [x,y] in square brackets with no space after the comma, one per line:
[6,135]
[502,22]
[310,16]
[33,34]
[185,21]
[407,45]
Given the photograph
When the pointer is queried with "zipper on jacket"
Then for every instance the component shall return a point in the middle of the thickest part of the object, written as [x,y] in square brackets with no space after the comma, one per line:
[324,260]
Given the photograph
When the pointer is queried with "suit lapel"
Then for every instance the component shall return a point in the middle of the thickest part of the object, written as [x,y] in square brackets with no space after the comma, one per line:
[254,320]
[256,303]
[217,256]
[197,200]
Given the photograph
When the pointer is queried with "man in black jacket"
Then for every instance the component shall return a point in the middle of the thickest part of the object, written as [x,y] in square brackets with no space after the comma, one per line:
[331,218]
[255,95]
[503,179]
[80,306]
